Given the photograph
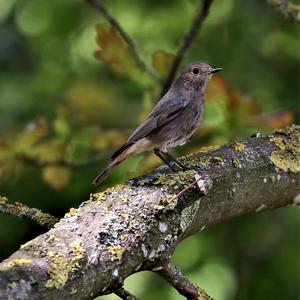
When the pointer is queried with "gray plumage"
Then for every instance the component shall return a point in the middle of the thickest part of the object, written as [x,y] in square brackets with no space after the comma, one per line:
[172,121]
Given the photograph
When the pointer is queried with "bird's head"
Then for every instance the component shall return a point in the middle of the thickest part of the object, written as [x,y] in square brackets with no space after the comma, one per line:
[196,75]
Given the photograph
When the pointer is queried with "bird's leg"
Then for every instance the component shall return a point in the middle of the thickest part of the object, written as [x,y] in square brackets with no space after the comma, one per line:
[171,158]
[160,154]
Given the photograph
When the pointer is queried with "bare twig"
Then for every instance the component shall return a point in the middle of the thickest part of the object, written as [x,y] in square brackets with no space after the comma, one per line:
[184,287]
[22,211]
[200,180]
[289,10]
[125,295]
[187,41]
[113,22]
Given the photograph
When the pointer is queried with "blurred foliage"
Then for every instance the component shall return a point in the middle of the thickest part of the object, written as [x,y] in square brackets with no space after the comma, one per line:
[63,112]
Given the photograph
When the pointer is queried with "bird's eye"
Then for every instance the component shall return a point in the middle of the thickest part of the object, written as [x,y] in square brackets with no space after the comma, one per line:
[195,71]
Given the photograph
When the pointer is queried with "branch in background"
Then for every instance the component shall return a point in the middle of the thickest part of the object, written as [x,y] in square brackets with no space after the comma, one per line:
[113,22]
[289,10]
[64,163]
[136,226]
[22,211]
[190,36]
[184,287]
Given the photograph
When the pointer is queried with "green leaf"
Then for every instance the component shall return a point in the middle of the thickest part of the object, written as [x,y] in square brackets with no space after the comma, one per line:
[114,51]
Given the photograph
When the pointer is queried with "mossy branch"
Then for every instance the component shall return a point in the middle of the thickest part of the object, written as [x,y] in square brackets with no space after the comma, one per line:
[22,211]
[286,8]
[136,226]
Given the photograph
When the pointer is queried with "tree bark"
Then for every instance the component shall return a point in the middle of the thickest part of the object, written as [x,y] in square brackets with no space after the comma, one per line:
[136,226]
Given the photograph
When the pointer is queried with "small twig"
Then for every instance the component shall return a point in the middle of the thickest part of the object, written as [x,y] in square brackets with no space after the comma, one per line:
[184,190]
[113,22]
[184,287]
[289,10]
[202,188]
[22,211]
[201,14]
[123,294]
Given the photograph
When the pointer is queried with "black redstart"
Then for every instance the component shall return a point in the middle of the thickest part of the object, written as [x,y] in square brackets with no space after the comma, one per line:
[172,121]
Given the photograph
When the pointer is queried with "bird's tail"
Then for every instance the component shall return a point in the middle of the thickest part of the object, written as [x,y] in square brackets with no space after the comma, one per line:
[109,169]
[125,151]
[118,157]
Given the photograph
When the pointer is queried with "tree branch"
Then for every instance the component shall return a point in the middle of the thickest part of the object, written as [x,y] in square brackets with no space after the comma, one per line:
[22,211]
[190,36]
[289,10]
[184,287]
[113,22]
[136,226]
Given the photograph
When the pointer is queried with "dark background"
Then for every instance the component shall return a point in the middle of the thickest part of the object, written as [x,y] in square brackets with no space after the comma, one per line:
[59,103]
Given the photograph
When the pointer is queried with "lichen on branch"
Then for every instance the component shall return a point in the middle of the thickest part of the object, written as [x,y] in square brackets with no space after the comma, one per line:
[286,8]
[136,226]
[20,210]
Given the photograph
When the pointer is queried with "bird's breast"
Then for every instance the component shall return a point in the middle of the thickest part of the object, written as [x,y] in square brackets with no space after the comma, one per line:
[185,125]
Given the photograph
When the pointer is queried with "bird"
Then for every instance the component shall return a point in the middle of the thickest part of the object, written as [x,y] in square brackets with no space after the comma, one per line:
[172,121]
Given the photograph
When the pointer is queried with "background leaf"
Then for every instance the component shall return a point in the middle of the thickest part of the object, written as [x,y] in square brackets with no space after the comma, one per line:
[56,176]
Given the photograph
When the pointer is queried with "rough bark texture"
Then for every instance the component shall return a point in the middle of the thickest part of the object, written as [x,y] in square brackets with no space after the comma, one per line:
[288,9]
[136,226]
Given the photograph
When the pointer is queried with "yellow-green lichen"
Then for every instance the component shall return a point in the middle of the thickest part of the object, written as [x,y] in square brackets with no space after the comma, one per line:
[72,212]
[100,197]
[123,197]
[125,216]
[12,285]
[287,157]
[216,158]
[113,189]
[18,262]
[179,178]
[73,291]
[116,252]
[273,178]
[168,237]
[77,251]
[28,244]
[197,160]
[278,142]
[236,163]
[288,130]
[16,284]
[52,238]
[165,179]
[158,207]
[167,200]
[145,181]
[42,218]
[91,199]
[239,147]
[3,200]
[208,149]
[61,265]
[112,192]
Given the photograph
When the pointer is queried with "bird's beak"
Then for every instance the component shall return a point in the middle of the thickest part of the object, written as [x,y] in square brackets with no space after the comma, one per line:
[215,70]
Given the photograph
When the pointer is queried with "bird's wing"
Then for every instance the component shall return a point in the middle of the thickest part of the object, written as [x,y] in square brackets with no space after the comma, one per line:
[159,117]
[154,123]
